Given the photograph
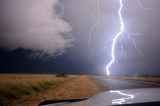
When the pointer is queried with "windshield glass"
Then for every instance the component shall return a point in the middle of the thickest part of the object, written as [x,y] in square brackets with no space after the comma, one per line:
[67,49]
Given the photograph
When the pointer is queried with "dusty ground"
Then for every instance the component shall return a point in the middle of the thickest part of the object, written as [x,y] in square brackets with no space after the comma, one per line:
[72,87]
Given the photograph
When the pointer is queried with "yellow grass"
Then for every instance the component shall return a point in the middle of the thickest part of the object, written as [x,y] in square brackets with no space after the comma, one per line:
[24,78]
[30,90]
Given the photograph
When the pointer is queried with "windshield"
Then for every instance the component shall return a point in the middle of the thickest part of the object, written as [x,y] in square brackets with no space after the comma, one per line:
[67,49]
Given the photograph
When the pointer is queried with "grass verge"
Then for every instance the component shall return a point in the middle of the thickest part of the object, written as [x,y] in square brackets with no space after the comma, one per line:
[30,90]
[17,86]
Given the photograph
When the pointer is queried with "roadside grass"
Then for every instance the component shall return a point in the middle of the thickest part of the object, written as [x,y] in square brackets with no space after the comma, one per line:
[31,89]
[17,86]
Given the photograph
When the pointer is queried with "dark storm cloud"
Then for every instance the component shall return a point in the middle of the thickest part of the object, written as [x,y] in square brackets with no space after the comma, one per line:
[36,25]
[33,25]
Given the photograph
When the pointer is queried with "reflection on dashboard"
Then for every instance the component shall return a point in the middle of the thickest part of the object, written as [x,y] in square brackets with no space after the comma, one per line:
[123,98]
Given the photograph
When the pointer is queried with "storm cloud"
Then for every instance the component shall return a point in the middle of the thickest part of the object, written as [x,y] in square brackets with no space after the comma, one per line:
[34,25]
[47,26]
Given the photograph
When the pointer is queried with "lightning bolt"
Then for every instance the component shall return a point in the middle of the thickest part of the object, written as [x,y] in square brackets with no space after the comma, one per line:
[122,27]
[97,20]
[144,8]
[116,37]
[98,17]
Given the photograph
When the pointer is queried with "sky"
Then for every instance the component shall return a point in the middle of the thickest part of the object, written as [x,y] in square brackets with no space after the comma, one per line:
[72,36]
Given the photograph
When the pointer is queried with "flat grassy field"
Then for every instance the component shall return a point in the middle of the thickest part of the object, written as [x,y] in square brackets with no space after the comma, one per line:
[31,89]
